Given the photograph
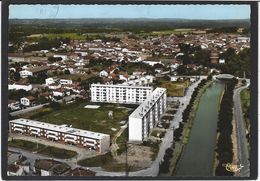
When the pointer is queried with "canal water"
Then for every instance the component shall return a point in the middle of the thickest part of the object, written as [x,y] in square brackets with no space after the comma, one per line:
[198,155]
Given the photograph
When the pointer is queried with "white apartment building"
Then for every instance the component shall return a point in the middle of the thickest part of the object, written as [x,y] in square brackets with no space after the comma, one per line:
[61,133]
[145,117]
[119,93]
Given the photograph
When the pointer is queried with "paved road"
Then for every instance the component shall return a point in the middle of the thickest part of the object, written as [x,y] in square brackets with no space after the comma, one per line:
[243,153]
[23,111]
[29,109]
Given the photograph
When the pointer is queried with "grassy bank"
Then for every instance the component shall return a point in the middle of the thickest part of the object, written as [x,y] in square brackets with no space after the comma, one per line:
[245,104]
[42,149]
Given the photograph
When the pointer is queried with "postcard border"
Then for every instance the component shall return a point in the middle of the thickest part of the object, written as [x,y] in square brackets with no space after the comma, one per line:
[254,90]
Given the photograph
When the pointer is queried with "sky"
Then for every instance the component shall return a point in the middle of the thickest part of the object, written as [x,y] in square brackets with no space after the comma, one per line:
[129,11]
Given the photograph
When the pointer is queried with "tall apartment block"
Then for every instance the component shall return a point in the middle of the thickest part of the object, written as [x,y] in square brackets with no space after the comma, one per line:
[62,134]
[144,118]
[123,94]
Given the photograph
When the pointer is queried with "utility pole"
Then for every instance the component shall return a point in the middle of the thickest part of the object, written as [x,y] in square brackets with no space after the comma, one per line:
[126,161]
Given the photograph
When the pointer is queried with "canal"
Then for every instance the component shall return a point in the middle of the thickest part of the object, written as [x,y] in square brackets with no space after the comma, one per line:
[198,155]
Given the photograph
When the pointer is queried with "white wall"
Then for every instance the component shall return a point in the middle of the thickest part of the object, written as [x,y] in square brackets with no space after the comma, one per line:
[25,101]
[19,87]
[135,129]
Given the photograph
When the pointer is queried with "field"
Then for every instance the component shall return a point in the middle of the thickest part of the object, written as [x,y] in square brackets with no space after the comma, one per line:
[42,149]
[174,89]
[88,119]
[174,31]
[73,36]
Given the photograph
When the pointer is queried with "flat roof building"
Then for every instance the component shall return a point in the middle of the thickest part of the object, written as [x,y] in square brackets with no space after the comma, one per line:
[61,133]
[119,93]
[145,117]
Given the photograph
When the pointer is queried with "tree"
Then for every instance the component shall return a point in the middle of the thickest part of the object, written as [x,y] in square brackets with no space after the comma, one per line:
[16,76]
[67,72]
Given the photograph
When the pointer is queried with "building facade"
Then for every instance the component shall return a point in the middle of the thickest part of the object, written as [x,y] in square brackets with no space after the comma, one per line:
[119,93]
[145,117]
[61,133]
[20,86]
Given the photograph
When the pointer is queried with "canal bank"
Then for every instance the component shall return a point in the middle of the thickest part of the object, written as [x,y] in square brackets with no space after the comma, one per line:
[178,146]
[198,155]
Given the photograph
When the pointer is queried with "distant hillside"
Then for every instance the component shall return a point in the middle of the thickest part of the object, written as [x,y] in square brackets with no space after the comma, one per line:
[125,24]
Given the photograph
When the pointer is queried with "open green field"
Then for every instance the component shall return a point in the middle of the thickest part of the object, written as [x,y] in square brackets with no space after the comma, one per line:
[174,89]
[73,36]
[88,119]
[42,149]
[174,31]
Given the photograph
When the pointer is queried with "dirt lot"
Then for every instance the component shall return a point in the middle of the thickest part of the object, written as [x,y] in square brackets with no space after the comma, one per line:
[138,156]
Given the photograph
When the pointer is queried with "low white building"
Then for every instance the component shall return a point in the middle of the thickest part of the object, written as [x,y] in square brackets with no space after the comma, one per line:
[65,81]
[25,73]
[147,115]
[50,81]
[61,133]
[13,105]
[152,63]
[60,92]
[20,86]
[27,101]
[114,93]
[221,61]
[63,57]
[103,73]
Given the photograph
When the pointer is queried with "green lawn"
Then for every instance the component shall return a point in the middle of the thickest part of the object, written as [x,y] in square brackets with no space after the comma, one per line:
[26,145]
[42,149]
[88,119]
[57,152]
[174,89]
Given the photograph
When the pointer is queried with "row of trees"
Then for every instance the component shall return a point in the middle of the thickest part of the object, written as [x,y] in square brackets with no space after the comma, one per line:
[224,147]
[194,54]
[164,166]
[186,112]
[236,64]
[43,44]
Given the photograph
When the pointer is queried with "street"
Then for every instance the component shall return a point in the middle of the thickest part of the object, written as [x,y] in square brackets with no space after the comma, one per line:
[243,152]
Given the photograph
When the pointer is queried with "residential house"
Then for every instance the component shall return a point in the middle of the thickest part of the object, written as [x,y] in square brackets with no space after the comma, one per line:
[13,105]
[20,86]
[17,169]
[33,71]
[50,167]
[28,101]
[103,73]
